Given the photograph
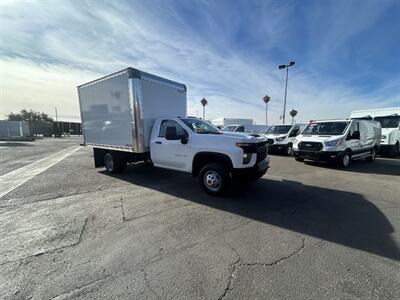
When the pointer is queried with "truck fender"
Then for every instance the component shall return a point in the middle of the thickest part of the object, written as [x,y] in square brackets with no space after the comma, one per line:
[203,158]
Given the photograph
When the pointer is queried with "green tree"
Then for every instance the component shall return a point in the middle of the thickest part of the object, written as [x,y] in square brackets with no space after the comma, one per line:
[29,115]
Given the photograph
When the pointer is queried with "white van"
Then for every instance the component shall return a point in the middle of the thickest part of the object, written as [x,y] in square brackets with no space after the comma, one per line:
[390,122]
[338,141]
[281,137]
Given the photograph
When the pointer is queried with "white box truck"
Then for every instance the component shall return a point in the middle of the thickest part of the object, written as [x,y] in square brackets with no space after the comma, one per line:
[133,116]
[390,122]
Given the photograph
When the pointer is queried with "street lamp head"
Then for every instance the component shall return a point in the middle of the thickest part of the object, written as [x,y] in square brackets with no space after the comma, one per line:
[281,67]
[266,98]
[291,63]
[204,102]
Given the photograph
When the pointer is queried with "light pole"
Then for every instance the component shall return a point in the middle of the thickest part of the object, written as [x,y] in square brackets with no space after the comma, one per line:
[204,103]
[266,99]
[287,74]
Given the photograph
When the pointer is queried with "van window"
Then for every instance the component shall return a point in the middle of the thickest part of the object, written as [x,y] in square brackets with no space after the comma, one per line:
[295,131]
[180,131]
[240,129]
[354,127]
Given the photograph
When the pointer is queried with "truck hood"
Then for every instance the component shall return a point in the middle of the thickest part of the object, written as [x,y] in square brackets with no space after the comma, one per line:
[274,136]
[232,138]
[318,138]
[241,135]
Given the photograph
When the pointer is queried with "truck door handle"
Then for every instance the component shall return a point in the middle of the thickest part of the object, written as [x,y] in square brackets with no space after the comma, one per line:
[158,142]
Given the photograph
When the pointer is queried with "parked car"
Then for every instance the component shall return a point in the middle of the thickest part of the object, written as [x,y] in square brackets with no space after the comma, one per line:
[389,118]
[338,141]
[143,117]
[280,138]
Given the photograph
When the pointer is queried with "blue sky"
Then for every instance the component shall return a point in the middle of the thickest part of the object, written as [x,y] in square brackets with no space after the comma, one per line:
[347,53]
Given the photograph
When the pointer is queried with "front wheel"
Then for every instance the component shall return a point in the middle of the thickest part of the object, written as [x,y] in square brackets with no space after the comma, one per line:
[299,159]
[344,162]
[289,150]
[214,179]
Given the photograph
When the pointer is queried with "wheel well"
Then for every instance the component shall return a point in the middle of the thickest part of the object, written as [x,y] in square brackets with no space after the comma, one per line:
[203,158]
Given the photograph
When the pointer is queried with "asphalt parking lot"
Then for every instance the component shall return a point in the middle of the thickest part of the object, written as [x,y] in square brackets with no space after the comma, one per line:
[305,230]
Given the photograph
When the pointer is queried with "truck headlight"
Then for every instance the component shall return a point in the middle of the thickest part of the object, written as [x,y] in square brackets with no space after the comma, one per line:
[280,139]
[334,143]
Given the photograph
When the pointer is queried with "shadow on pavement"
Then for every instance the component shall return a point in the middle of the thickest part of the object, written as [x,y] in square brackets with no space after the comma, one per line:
[340,217]
[381,166]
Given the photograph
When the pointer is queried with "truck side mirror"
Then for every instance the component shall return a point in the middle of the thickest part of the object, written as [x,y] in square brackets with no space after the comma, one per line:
[170,134]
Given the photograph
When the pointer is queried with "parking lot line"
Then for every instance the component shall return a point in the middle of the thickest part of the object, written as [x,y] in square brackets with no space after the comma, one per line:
[13,179]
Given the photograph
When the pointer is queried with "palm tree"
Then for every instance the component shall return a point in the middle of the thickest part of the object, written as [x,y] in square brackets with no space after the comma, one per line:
[293,113]
[204,102]
[266,99]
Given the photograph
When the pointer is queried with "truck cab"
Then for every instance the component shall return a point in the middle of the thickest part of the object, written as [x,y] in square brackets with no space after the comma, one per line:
[339,141]
[216,157]
[280,138]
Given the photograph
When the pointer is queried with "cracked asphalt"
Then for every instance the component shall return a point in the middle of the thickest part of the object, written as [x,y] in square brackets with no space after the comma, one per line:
[304,231]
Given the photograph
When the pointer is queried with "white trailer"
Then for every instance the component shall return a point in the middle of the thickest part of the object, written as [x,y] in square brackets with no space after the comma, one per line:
[390,122]
[133,116]
[231,121]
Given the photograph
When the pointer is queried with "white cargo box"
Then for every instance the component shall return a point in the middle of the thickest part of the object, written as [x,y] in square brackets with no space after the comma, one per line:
[118,110]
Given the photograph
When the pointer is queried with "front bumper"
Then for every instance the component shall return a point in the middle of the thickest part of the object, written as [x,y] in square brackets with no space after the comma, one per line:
[386,147]
[257,170]
[318,156]
[277,147]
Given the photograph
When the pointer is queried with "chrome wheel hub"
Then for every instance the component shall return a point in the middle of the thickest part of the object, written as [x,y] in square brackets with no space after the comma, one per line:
[212,180]
[346,160]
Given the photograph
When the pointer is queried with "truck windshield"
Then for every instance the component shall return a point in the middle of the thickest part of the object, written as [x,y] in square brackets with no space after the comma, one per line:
[279,129]
[230,128]
[200,126]
[325,128]
[389,121]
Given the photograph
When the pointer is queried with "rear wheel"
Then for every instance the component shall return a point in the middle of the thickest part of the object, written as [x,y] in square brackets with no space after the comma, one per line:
[114,163]
[214,179]
[289,149]
[344,162]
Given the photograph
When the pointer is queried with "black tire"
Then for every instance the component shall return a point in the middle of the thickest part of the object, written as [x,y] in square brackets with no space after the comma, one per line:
[289,150]
[299,159]
[345,160]
[395,150]
[214,179]
[372,157]
[114,163]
